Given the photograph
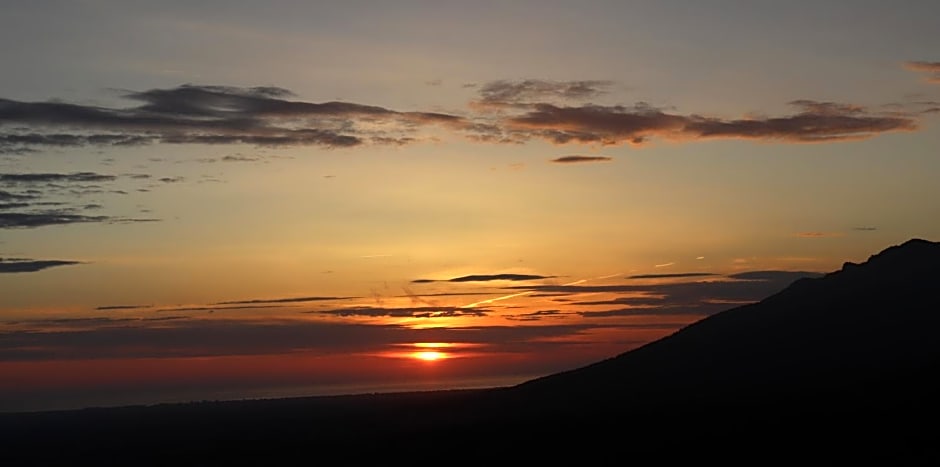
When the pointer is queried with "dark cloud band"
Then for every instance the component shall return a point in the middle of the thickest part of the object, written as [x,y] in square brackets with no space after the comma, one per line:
[525,110]
[19,265]
[190,114]
[26,220]
[284,300]
[486,278]
[576,159]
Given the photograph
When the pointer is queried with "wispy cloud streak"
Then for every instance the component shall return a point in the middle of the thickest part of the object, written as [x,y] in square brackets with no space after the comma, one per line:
[577,159]
[487,278]
[931,70]
[38,199]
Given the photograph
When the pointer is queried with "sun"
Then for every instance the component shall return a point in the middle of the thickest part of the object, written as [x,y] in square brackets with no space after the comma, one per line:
[429,355]
[428,351]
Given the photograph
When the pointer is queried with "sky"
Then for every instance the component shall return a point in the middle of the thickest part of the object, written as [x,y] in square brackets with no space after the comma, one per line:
[241,199]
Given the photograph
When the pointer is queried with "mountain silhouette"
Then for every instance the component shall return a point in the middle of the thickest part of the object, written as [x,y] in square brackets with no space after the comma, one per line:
[853,326]
[837,369]
[841,368]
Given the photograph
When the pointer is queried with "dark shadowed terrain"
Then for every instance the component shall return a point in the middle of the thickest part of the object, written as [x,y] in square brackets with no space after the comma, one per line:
[837,369]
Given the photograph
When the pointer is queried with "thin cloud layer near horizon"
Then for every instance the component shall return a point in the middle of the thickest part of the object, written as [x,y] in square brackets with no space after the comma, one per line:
[229,200]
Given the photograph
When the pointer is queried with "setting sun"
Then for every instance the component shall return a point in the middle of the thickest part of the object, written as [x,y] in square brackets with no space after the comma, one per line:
[429,355]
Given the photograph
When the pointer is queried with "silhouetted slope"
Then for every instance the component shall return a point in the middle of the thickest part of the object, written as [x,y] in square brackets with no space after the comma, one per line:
[859,325]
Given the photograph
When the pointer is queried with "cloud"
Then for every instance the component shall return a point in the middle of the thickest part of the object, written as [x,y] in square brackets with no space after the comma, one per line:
[12,220]
[411,312]
[192,114]
[784,277]
[31,178]
[486,278]
[865,229]
[930,69]
[818,234]
[71,323]
[537,315]
[212,309]
[637,124]
[165,318]
[323,330]
[239,158]
[35,198]
[504,92]
[697,298]
[643,301]
[670,275]
[744,287]
[575,159]
[498,277]
[701,309]
[284,300]
[506,112]
[22,143]
[122,307]
[17,265]
[442,294]
[7,196]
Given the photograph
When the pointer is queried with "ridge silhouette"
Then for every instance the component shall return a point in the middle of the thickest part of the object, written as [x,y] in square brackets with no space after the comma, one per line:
[850,326]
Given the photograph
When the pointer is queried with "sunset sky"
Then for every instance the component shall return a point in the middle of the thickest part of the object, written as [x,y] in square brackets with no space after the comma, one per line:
[264,199]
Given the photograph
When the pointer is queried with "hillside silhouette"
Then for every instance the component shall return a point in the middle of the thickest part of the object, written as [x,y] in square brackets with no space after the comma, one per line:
[834,369]
[850,326]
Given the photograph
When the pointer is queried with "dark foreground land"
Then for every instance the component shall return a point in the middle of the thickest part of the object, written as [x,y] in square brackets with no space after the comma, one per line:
[836,370]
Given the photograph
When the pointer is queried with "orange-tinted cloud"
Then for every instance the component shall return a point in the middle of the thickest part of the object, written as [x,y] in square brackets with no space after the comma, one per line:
[510,92]
[577,159]
[617,125]
[818,234]
[930,69]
